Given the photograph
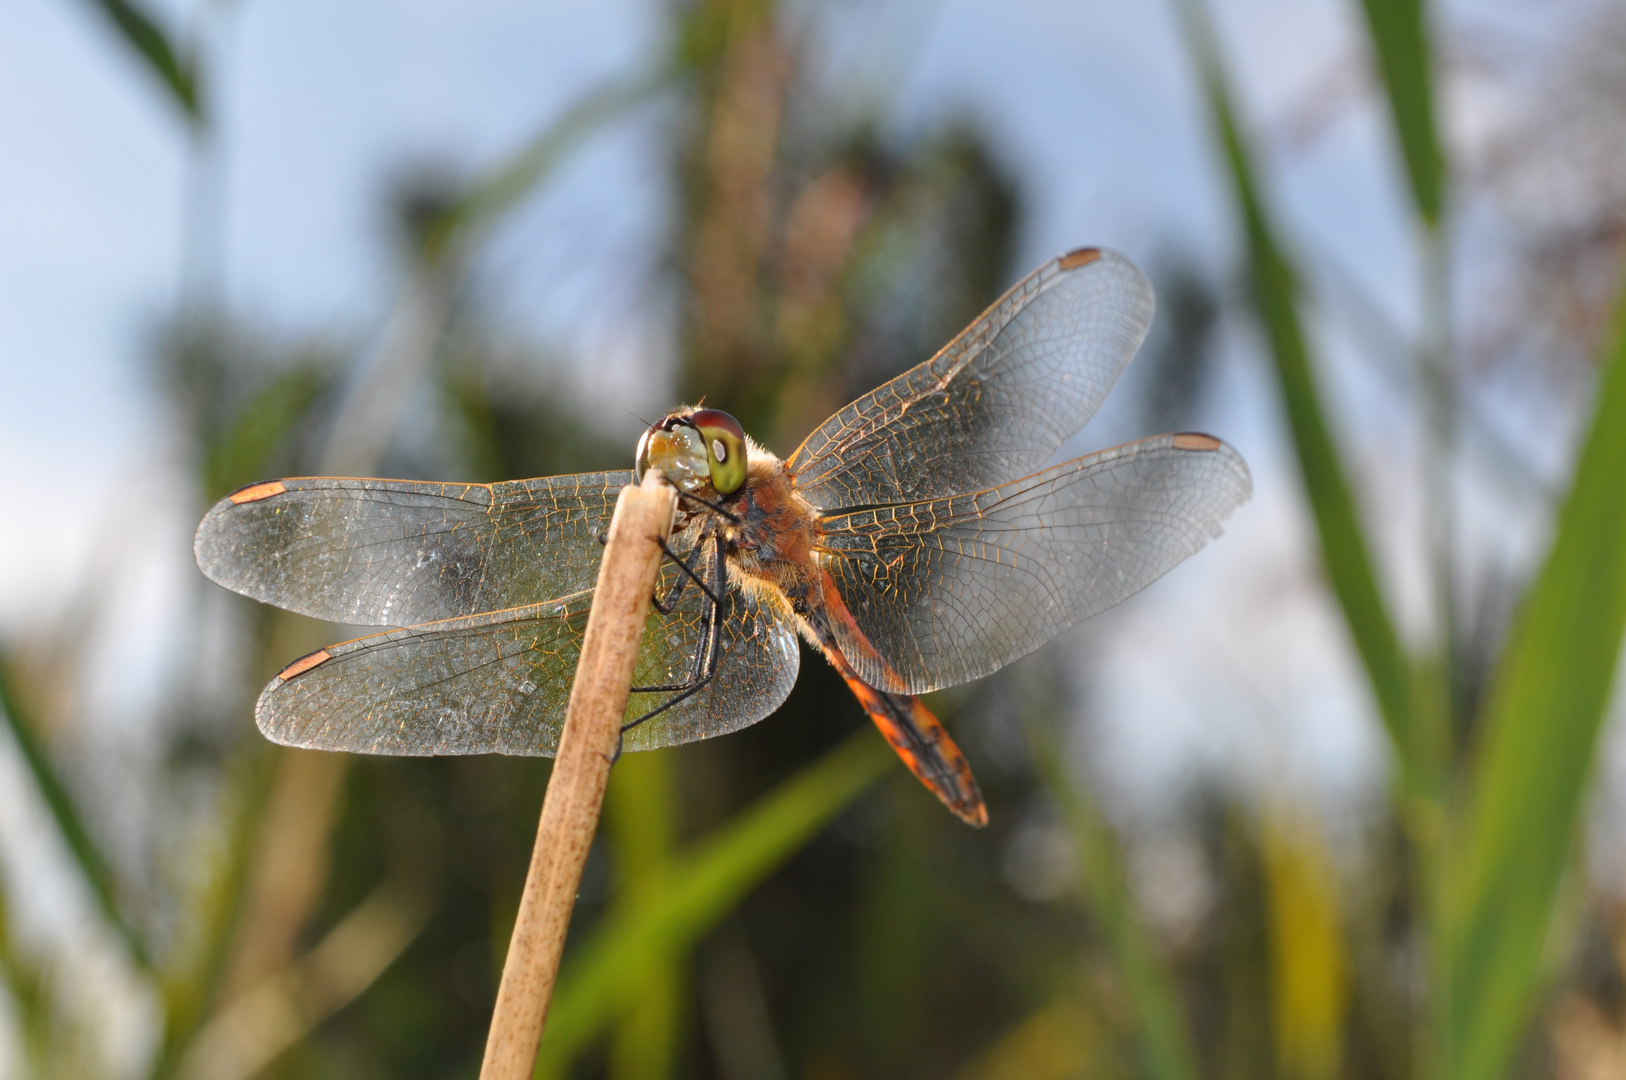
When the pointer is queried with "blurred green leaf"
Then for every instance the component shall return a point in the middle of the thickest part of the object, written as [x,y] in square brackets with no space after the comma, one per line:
[30,995]
[1062,1041]
[243,450]
[640,818]
[685,898]
[1344,552]
[190,983]
[239,1042]
[1400,40]
[1151,989]
[703,34]
[177,70]
[92,864]
[1309,980]
[709,29]
[504,186]
[1539,738]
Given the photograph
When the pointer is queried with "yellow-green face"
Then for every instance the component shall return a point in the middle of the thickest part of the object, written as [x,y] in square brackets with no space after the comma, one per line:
[692,447]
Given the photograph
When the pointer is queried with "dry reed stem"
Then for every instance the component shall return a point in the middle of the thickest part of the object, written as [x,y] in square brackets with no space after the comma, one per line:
[570,810]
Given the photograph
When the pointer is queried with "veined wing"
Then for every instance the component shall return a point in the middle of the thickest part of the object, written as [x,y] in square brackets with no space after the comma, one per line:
[997,401]
[951,589]
[397,553]
[499,682]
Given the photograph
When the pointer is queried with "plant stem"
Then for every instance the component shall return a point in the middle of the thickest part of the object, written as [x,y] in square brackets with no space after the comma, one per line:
[570,810]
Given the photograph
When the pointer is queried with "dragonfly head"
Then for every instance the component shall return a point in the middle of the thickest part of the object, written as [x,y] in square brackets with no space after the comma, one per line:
[693,447]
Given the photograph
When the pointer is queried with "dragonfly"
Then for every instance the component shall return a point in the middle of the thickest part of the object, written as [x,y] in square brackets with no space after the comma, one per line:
[917,539]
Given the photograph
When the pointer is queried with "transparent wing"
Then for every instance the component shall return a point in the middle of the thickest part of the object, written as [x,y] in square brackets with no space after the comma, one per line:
[397,553]
[499,682]
[952,589]
[997,401]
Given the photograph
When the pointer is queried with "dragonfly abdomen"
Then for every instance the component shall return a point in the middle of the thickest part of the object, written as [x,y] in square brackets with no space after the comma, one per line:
[916,735]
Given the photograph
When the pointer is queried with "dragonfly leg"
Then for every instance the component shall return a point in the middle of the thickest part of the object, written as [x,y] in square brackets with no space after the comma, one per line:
[686,565]
[707,658]
[689,575]
[708,655]
[713,615]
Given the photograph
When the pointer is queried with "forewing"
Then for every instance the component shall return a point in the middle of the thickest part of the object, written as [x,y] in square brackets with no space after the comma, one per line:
[499,682]
[398,553]
[997,401]
[952,589]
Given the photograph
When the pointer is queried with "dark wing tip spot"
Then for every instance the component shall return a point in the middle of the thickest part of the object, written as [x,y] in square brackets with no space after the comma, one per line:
[1196,440]
[304,664]
[256,492]
[1080,257]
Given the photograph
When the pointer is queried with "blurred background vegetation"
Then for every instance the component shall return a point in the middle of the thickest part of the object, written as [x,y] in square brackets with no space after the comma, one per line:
[786,903]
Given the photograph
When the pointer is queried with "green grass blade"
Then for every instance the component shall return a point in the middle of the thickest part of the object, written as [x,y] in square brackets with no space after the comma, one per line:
[694,891]
[1400,39]
[178,72]
[1164,1039]
[1344,552]
[92,864]
[1539,738]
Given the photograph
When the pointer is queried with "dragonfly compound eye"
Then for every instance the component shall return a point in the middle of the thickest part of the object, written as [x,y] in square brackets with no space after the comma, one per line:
[725,442]
[678,449]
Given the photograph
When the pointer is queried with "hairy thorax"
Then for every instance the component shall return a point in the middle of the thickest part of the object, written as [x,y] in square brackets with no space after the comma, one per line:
[772,547]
